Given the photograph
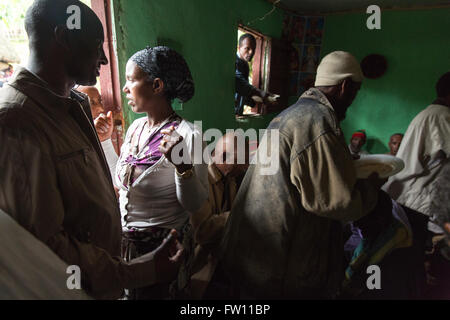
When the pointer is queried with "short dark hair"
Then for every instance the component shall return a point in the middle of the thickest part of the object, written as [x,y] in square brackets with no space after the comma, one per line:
[43,16]
[167,64]
[397,134]
[443,85]
[246,36]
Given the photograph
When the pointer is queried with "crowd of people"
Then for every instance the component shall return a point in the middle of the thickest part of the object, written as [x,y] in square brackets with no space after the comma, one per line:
[6,71]
[142,225]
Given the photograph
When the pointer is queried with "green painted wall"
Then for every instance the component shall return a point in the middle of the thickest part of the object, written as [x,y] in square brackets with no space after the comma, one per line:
[417,47]
[204,32]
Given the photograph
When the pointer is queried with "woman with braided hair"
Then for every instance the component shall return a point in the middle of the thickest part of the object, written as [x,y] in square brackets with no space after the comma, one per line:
[157,191]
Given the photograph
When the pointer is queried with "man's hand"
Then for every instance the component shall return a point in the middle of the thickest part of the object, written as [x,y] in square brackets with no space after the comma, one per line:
[169,141]
[104,126]
[258,95]
[271,99]
[168,257]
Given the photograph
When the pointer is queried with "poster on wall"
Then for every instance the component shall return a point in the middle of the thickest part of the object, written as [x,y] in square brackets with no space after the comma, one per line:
[305,35]
[286,26]
[297,29]
[295,56]
[314,30]
[310,58]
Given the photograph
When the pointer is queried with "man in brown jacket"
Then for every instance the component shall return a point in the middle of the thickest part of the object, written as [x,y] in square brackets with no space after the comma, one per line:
[283,238]
[225,172]
[54,180]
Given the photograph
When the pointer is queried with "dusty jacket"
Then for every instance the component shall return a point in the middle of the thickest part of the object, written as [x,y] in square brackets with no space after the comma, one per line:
[54,181]
[284,235]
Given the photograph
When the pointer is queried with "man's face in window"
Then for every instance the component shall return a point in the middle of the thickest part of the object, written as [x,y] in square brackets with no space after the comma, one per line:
[247,49]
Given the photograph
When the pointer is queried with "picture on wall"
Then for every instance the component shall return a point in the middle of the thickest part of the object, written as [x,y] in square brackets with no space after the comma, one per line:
[314,30]
[295,56]
[310,58]
[286,26]
[297,29]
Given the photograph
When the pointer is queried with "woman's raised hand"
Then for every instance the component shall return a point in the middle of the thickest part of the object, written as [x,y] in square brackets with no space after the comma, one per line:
[104,126]
[170,139]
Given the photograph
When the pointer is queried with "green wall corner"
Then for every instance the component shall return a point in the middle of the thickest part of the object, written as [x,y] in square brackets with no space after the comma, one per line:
[204,32]
[417,47]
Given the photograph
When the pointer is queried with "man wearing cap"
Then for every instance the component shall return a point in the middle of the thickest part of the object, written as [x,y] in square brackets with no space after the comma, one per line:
[283,238]
[356,143]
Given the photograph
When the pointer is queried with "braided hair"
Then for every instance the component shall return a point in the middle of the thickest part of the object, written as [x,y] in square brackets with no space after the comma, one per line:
[168,65]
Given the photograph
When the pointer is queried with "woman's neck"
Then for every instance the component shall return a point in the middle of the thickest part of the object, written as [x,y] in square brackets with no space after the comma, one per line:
[159,114]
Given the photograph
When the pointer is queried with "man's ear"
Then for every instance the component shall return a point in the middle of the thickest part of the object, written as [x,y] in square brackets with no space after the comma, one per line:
[61,36]
[158,85]
[345,86]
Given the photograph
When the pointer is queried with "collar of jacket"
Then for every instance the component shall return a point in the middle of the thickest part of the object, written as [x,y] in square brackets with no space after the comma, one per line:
[316,94]
[39,91]
[57,106]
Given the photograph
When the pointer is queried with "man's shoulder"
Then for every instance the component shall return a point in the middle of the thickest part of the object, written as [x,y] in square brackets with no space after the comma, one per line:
[17,113]
[433,110]
[433,113]
[305,113]
[10,96]
[241,64]
[304,123]
[12,106]
[437,110]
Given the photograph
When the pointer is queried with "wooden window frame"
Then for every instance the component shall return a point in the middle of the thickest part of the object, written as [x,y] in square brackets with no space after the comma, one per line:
[109,74]
[262,41]
[272,77]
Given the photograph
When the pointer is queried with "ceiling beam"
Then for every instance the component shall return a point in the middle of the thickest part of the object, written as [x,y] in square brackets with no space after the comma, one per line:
[283,6]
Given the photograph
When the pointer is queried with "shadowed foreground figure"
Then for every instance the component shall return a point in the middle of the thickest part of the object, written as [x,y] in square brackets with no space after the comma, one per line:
[54,179]
[422,186]
[283,238]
